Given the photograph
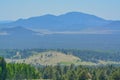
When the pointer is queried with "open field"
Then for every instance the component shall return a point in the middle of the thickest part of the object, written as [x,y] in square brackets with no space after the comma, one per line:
[55,57]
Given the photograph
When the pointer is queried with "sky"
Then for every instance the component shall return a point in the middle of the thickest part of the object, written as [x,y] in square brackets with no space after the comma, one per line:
[16,9]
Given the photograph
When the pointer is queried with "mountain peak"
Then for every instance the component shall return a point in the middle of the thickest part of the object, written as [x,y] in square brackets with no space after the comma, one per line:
[75,13]
[82,15]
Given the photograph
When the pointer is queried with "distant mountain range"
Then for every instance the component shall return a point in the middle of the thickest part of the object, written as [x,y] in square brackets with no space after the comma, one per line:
[72,21]
[70,30]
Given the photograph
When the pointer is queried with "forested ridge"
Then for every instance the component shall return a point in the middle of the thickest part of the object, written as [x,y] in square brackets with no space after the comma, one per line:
[22,71]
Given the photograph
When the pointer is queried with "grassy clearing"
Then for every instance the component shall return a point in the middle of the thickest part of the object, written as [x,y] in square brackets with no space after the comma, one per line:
[47,58]
[54,58]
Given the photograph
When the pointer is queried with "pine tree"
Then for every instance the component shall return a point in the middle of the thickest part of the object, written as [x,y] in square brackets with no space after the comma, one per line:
[3,70]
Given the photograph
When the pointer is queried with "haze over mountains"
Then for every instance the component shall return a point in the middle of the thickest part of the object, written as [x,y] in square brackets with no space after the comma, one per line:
[70,30]
[73,21]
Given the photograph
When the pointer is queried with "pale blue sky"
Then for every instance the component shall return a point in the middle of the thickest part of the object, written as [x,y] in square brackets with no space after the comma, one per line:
[15,9]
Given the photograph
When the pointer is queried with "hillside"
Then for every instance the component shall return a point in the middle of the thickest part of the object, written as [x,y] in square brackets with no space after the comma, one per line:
[62,57]
[48,58]
[19,30]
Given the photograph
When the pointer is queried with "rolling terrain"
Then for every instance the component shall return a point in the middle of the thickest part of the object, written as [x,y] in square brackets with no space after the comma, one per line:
[48,58]
[61,57]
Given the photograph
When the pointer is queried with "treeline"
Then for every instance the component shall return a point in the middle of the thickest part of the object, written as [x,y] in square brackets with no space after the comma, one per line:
[80,73]
[17,71]
[8,53]
[93,55]
[72,72]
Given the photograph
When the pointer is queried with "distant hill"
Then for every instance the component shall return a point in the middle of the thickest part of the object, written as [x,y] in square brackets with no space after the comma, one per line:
[18,31]
[72,21]
[48,58]
[52,57]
